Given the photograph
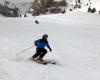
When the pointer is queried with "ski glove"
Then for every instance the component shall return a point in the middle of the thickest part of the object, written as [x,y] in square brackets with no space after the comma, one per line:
[36,44]
[50,49]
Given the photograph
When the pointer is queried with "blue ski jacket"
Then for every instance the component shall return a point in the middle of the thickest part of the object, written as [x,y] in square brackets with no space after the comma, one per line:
[41,43]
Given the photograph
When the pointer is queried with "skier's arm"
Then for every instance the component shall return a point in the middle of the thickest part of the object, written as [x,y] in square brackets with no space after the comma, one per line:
[49,47]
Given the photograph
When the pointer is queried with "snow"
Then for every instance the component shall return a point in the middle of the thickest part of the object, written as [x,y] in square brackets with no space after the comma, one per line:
[74,38]
[97,5]
[1,15]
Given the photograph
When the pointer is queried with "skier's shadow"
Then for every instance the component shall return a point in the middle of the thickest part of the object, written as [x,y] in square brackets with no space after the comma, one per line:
[50,61]
[53,61]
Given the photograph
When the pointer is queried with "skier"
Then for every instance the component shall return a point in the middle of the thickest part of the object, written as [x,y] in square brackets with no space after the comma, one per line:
[36,21]
[40,49]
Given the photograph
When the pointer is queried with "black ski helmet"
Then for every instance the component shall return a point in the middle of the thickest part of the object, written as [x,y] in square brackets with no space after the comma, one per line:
[45,36]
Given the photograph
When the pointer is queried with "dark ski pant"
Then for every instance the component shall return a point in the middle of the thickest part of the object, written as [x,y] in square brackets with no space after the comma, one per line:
[40,53]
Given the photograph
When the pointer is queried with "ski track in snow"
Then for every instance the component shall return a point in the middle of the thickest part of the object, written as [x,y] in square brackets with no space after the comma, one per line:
[74,38]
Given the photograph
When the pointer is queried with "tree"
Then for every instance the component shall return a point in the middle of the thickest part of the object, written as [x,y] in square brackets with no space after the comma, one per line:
[79,1]
[44,6]
[25,15]
[93,10]
[70,9]
[89,9]
[6,3]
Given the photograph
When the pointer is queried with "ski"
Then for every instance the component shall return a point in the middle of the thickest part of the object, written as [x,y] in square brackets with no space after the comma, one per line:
[44,62]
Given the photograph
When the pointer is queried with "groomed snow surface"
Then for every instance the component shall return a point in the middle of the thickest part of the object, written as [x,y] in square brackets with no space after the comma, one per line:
[75,43]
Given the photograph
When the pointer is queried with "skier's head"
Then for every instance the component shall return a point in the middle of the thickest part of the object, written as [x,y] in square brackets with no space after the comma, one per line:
[45,36]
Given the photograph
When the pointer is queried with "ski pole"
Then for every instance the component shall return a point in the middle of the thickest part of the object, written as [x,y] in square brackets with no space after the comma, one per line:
[24,50]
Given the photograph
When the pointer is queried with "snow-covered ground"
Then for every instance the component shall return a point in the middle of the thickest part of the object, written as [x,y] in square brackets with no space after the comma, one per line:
[74,38]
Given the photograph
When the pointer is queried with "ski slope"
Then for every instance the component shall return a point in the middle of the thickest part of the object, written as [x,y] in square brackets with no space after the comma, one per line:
[74,39]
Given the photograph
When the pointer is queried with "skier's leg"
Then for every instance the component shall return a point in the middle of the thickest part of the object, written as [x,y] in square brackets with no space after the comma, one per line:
[38,52]
[44,51]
